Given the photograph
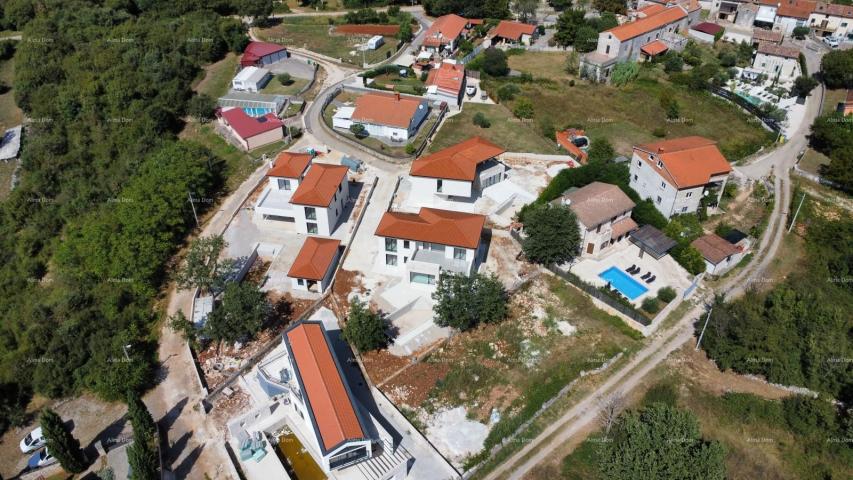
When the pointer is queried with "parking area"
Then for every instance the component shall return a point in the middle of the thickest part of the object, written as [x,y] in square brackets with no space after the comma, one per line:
[296,67]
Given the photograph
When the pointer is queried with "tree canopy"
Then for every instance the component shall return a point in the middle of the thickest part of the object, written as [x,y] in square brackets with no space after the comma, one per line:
[468,8]
[463,302]
[364,329]
[836,67]
[240,313]
[61,444]
[832,135]
[551,234]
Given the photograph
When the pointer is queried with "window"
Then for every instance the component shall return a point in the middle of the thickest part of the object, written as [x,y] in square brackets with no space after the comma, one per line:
[340,187]
[459,253]
[639,163]
[390,244]
[607,50]
[310,213]
[635,177]
[311,227]
[301,282]
[283,184]
[405,244]
[660,164]
[598,228]
[603,246]
[663,185]
[391,260]
[683,209]
[689,194]
[438,185]
[658,199]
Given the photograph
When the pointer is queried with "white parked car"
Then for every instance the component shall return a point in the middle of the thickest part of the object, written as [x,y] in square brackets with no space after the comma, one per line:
[41,459]
[33,441]
[471,90]
[832,42]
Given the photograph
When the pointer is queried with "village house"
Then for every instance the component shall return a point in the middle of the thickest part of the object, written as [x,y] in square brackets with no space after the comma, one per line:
[461,170]
[791,14]
[311,196]
[260,54]
[314,265]
[603,212]
[394,117]
[676,174]
[705,32]
[509,33]
[760,35]
[446,83]
[647,36]
[419,247]
[779,62]
[444,34]
[829,19]
[720,255]
[251,79]
[251,132]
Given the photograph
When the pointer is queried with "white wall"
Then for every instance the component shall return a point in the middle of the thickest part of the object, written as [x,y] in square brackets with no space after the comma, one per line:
[786,25]
[327,218]
[832,23]
[324,283]
[701,36]
[786,68]
[666,198]
[457,188]
[405,250]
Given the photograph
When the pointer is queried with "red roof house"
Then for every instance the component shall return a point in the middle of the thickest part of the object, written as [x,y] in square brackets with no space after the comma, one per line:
[458,162]
[432,225]
[445,30]
[252,132]
[262,53]
[515,32]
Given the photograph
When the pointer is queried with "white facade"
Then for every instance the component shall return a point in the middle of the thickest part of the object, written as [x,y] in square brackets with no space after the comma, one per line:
[251,79]
[488,173]
[787,69]
[786,25]
[701,36]
[306,285]
[319,220]
[831,25]
[668,199]
[421,263]
[274,204]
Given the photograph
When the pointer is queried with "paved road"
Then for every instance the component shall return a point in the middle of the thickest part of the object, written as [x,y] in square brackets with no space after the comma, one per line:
[779,161]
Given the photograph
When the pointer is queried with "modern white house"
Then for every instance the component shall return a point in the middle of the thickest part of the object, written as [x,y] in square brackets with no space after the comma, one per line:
[720,255]
[311,196]
[446,83]
[778,61]
[676,174]
[830,19]
[654,27]
[419,247]
[604,215]
[251,79]
[314,265]
[460,171]
[394,117]
[322,399]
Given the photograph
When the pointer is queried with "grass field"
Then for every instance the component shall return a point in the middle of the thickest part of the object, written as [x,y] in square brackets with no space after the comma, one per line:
[812,161]
[217,77]
[505,130]
[394,81]
[6,169]
[10,114]
[550,65]
[312,33]
[832,98]
[629,115]
[274,87]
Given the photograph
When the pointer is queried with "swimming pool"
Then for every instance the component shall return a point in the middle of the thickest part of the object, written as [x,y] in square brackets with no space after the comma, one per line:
[623,282]
[256,111]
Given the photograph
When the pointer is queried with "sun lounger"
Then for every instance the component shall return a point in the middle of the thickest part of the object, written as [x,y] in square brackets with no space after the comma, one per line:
[631,268]
[647,275]
[651,279]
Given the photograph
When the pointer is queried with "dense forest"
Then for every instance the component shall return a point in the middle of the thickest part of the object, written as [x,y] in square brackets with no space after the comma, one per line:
[468,8]
[800,332]
[103,199]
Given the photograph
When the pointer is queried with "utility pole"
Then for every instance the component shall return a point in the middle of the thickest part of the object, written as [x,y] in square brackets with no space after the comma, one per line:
[124,348]
[704,327]
[793,220]
[192,204]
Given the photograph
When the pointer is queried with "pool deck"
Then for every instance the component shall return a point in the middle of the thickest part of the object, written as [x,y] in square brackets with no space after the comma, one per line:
[623,255]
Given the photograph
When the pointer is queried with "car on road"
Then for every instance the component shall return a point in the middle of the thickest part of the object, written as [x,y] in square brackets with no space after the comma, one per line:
[471,90]
[832,42]
[40,459]
[33,441]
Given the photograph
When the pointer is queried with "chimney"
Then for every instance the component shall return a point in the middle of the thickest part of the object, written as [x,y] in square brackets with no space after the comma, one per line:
[660,149]
[397,96]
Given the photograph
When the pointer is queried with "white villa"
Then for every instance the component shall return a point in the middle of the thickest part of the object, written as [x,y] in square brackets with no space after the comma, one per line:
[675,174]
[310,195]
[419,247]
[778,61]
[460,170]
[604,215]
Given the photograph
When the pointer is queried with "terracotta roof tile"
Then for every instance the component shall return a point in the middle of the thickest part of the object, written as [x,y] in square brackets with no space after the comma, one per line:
[458,162]
[778,50]
[564,139]
[329,400]
[796,8]
[653,48]
[650,23]
[834,9]
[246,126]
[714,248]
[448,77]
[314,258]
[762,35]
[622,227]
[290,165]
[319,185]
[389,110]
[597,203]
[445,227]
[687,161]
[444,30]
[513,30]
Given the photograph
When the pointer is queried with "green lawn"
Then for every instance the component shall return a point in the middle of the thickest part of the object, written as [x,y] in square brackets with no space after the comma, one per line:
[275,87]
[813,160]
[505,130]
[6,169]
[217,77]
[393,81]
[10,114]
[550,65]
[630,114]
[313,33]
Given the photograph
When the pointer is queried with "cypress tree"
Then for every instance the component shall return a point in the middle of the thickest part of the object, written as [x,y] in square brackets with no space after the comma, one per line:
[142,454]
[61,444]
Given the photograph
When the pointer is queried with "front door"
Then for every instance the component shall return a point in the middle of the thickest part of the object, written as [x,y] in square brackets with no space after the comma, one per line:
[590,247]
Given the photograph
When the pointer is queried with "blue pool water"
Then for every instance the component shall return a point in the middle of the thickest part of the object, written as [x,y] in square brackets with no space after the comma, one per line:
[257,111]
[623,282]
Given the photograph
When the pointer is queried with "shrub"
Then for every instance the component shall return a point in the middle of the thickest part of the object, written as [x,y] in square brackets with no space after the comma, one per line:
[424,75]
[358,130]
[651,305]
[201,107]
[800,32]
[411,148]
[481,121]
[624,73]
[659,132]
[494,62]
[673,63]
[7,49]
[462,302]
[284,78]
[523,109]
[364,329]
[666,294]
[552,234]
[507,92]
[61,443]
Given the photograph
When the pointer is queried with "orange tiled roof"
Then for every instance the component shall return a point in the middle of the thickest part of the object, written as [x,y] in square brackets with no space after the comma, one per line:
[834,9]
[564,138]
[326,394]
[714,248]
[778,50]
[762,35]
[513,30]
[651,9]
[389,110]
[445,227]
[314,258]
[290,165]
[653,48]
[796,8]
[458,162]
[650,23]
[448,77]
[319,185]
[687,161]
[444,30]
